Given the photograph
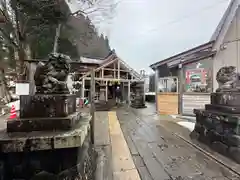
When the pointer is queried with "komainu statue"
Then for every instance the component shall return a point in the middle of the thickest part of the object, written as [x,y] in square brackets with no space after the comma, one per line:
[228,79]
[51,77]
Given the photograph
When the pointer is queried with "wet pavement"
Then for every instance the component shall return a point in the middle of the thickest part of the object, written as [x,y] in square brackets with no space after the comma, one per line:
[162,149]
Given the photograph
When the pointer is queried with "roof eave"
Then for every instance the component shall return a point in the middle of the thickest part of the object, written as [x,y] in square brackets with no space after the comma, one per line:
[178,56]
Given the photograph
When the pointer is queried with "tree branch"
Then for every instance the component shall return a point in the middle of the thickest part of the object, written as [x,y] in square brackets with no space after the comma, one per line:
[7,37]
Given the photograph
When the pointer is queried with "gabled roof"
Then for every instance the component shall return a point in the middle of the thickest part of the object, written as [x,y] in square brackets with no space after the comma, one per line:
[111,59]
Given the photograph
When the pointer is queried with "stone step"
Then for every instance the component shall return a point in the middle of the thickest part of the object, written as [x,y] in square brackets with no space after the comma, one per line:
[226,98]
[44,124]
[223,108]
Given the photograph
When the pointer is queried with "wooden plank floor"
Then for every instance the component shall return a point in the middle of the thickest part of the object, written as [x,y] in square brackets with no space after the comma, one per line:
[160,155]
[122,161]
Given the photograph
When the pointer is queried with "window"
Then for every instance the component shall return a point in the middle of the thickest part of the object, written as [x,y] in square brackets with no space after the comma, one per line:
[168,84]
[198,76]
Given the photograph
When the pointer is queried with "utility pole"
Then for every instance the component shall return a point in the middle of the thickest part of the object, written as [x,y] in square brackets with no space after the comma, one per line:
[92,110]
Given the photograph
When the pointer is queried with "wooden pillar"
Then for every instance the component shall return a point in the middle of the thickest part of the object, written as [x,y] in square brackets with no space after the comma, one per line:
[129,91]
[156,88]
[180,88]
[114,70]
[118,69]
[92,110]
[144,90]
[102,73]
[123,91]
[83,88]
[106,91]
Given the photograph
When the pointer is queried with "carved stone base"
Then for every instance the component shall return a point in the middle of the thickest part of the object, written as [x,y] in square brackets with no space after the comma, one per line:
[59,164]
[220,131]
[138,106]
[44,124]
[138,102]
[48,155]
[45,106]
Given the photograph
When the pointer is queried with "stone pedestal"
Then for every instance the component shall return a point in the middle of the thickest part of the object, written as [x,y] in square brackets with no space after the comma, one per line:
[47,105]
[49,140]
[219,123]
[138,100]
[102,95]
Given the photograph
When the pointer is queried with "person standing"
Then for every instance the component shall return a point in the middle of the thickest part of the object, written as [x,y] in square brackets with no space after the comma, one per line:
[118,95]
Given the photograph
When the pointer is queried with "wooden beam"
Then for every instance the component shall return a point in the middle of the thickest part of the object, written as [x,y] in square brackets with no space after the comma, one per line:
[112,79]
[106,90]
[118,69]
[92,108]
[156,89]
[129,95]
[114,68]
[95,70]
[83,88]
[121,70]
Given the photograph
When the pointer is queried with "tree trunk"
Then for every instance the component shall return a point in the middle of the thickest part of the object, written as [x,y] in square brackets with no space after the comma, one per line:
[4,93]
[21,58]
[58,32]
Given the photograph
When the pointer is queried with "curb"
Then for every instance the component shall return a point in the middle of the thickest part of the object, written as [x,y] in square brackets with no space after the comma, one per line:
[100,162]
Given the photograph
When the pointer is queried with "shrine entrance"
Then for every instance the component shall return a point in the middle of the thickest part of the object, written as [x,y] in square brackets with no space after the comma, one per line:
[111,74]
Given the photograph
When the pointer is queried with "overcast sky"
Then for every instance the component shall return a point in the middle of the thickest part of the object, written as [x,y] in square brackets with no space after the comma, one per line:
[146,31]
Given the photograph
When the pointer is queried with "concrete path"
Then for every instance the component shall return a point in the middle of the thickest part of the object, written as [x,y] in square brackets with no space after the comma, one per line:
[161,155]
[123,165]
[117,160]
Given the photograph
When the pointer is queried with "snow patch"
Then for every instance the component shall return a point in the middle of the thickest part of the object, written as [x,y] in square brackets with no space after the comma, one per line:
[186,124]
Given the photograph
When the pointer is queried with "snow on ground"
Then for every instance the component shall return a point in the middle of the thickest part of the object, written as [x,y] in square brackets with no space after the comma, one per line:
[186,124]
